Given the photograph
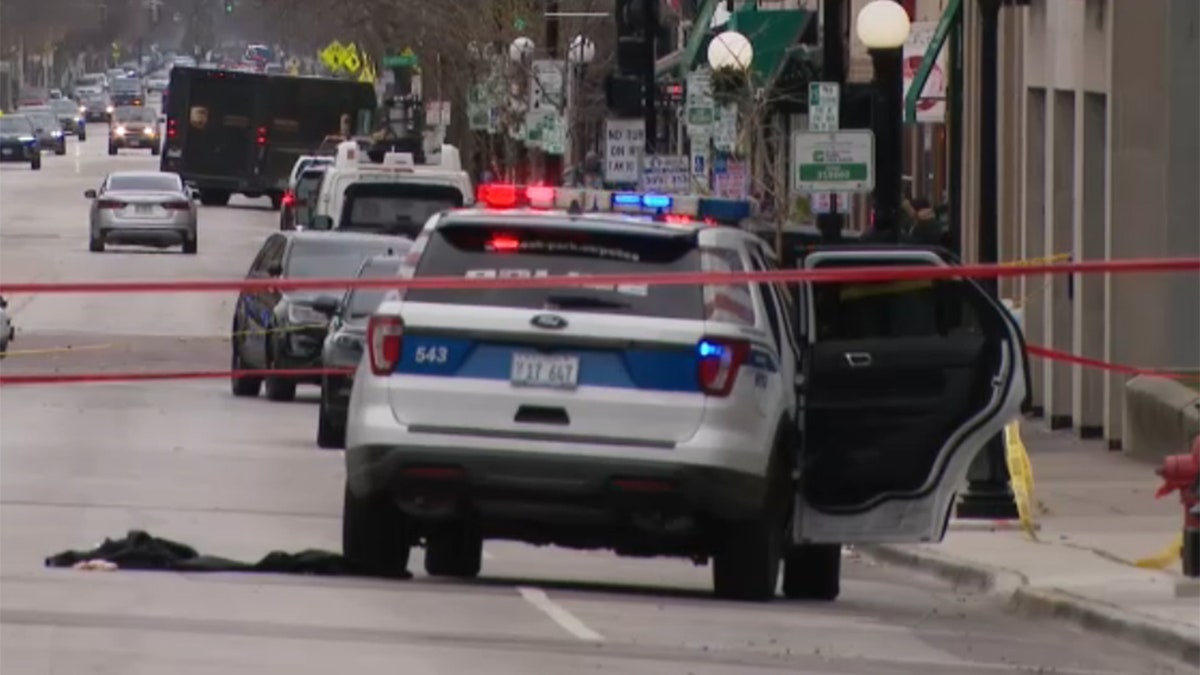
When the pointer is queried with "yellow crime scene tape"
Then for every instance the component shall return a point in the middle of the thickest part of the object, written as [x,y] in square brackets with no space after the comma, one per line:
[1020,472]
[1171,555]
[112,346]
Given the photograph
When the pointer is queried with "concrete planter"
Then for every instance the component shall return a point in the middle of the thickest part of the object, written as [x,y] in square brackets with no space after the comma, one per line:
[1162,417]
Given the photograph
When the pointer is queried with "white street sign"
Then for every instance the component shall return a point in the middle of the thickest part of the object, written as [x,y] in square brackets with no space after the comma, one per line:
[624,142]
[824,102]
[837,161]
[700,105]
[725,130]
[546,88]
[668,174]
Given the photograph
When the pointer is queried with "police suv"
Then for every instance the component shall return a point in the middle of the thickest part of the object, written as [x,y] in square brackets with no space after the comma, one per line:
[395,196]
[756,424]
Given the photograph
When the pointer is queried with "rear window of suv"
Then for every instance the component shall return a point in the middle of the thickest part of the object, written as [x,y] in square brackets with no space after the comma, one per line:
[497,252]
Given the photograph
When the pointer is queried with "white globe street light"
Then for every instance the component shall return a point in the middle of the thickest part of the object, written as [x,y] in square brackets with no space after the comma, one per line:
[520,49]
[883,24]
[730,49]
[581,51]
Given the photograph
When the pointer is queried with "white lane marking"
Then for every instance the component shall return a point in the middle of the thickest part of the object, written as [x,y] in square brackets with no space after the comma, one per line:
[568,621]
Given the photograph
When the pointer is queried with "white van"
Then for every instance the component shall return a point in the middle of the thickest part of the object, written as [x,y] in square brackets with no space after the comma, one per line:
[396,196]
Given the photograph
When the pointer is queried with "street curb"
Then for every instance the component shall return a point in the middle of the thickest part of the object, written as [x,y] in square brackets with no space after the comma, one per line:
[1089,615]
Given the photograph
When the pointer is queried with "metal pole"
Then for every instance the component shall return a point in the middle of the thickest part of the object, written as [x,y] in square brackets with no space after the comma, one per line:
[888,123]
[553,164]
[956,136]
[648,81]
[988,494]
[833,70]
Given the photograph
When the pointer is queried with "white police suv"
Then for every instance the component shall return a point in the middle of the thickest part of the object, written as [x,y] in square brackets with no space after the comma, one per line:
[757,425]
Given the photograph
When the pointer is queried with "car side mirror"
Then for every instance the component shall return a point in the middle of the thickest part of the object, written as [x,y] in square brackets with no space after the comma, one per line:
[275,271]
[327,305]
[195,195]
[90,194]
[321,223]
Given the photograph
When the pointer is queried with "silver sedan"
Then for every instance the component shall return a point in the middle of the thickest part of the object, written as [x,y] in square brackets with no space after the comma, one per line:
[143,208]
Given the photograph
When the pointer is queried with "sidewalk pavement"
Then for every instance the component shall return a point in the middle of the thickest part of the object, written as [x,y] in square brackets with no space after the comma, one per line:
[1096,515]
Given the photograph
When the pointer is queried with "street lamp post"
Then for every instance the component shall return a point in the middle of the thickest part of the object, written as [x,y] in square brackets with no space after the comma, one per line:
[731,52]
[580,52]
[883,27]
[519,52]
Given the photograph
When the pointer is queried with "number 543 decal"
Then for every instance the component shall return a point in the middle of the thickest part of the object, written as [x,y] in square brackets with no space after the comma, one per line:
[431,354]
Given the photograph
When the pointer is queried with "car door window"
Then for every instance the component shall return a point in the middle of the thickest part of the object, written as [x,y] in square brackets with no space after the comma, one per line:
[726,303]
[271,250]
[770,302]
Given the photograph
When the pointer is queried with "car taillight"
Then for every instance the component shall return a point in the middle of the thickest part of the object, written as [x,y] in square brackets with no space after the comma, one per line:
[261,137]
[385,336]
[717,364]
[289,198]
[171,130]
[177,206]
[110,204]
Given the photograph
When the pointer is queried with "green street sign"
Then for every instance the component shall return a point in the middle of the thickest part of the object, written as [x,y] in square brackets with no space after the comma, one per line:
[405,59]
[834,161]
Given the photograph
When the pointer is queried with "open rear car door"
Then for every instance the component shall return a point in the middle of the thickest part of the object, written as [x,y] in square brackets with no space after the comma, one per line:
[902,385]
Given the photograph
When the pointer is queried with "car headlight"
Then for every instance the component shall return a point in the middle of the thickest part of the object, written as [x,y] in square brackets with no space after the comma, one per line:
[148,131]
[82,109]
[120,131]
[109,110]
[303,314]
[56,133]
[26,139]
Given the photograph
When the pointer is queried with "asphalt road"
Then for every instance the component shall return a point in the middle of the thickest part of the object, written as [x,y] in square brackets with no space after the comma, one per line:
[239,478]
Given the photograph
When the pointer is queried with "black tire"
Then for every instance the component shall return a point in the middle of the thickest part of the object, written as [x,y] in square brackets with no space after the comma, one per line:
[214,197]
[813,572]
[190,246]
[746,562]
[375,540]
[112,149]
[96,244]
[456,551]
[154,151]
[276,201]
[35,164]
[242,387]
[61,150]
[331,430]
[82,136]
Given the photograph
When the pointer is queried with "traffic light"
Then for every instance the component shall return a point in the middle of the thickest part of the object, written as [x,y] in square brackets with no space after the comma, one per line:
[229,6]
[630,90]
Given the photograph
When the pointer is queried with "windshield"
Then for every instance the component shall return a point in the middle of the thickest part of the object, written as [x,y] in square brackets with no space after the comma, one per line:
[10,124]
[496,251]
[44,120]
[153,182]
[64,107]
[126,85]
[331,258]
[364,301]
[90,80]
[307,186]
[134,114]
[395,208]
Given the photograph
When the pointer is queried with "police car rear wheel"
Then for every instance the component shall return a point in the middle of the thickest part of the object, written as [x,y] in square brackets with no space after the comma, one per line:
[374,537]
[746,562]
[813,572]
[331,432]
[455,551]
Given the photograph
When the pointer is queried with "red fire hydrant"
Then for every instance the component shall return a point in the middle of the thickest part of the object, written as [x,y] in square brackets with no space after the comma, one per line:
[1182,473]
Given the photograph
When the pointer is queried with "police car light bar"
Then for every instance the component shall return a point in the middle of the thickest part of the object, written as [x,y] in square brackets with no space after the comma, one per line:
[668,208]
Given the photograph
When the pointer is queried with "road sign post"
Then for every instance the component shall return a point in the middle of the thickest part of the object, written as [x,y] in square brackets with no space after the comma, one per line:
[824,114]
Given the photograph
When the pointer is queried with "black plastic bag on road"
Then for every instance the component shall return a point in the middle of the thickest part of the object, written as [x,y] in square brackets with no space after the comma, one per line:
[138,550]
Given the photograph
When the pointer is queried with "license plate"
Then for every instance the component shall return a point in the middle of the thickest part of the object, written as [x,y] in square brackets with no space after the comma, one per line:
[144,210]
[538,370]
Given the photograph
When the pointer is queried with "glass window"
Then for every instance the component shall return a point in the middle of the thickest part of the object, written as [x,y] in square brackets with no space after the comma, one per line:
[363,301]
[332,259]
[726,303]
[894,309]
[395,208]
[134,114]
[154,182]
[11,124]
[491,251]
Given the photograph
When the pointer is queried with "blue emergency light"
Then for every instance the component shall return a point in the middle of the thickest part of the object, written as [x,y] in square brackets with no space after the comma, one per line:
[637,202]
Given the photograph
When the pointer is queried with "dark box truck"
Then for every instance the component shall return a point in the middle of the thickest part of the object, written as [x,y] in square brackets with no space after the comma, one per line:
[237,132]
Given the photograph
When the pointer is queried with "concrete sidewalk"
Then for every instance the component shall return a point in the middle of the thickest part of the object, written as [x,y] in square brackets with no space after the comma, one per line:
[1096,514]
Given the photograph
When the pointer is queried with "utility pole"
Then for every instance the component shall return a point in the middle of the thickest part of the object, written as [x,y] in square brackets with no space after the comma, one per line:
[649,83]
